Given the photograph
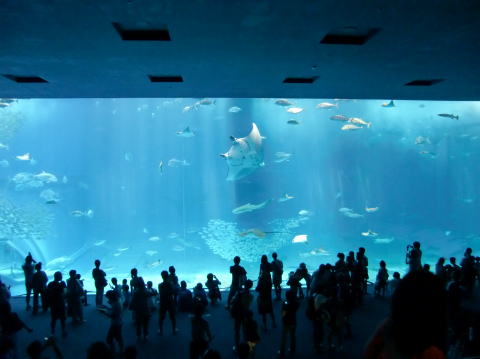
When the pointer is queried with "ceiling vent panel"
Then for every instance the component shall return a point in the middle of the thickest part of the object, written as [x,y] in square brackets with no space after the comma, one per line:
[140,34]
[165,79]
[424,82]
[300,80]
[349,35]
[25,79]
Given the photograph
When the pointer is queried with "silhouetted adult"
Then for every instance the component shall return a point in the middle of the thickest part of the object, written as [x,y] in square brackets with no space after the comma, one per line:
[277,271]
[100,282]
[414,257]
[468,271]
[362,263]
[264,299]
[239,275]
[167,303]
[265,266]
[28,270]
[201,335]
[239,307]
[74,298]
[139,306]
[56,301]
[39,286]
[417,325]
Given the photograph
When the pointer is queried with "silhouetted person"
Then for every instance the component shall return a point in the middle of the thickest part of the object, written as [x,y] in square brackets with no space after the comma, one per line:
[213,284]
[36,348]
[28,270]
[199,296]
[414,257]
[302,273]
[133,280]
[277,273]
[468,271]
[117,288]
[362,263]
[201,335]
[84,291]
[317,312]
[417,325]
[289,322]
[139,305]
[185,298]
[240,305]
[39,286]
[265,266]
[56,302]
[172,277]
[440,269]
[74,298]
[167,303]
[114,312]
[264,299]
[381,280]
[100,282]
[393,284]
[152,295]
[250,330]
[239,275]
[10,324]
[126,294]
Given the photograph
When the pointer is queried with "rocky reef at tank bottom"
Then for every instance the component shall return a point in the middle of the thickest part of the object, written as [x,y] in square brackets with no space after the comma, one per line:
[150,183]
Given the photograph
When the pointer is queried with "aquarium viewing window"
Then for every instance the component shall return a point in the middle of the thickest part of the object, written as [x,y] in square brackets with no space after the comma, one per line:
[150,183]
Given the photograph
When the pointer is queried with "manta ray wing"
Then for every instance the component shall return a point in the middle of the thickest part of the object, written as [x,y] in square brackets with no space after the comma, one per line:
[245,155]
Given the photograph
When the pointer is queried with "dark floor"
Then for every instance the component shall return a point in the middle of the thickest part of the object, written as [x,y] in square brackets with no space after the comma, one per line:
[364,321]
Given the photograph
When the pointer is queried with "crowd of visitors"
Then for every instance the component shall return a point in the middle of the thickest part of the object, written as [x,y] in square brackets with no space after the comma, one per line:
[426,319]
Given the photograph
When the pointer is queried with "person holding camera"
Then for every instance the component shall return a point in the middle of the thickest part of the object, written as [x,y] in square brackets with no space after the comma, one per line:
[414,257]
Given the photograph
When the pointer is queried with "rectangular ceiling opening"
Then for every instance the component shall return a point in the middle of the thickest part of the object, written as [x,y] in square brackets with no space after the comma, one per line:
[25,79]
[424,82]
[154,78]
[300,80]
[139,34]
[349,35]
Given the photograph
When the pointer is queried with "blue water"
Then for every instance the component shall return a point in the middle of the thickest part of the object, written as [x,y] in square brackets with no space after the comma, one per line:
[105,155]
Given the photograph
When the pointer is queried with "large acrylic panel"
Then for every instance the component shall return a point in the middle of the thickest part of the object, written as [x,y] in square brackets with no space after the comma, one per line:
[142,183]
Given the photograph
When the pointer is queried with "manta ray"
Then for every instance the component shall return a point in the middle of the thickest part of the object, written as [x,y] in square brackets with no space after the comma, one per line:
[245,155]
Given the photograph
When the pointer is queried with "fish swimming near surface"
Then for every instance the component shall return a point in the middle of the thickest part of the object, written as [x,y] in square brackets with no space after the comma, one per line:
[245,155]
[251,207]
[178,248]
[186,133]
[4,105]
[154,239]
[371,209]
[151,252]
[449,115]
[4,147]
[293,122]
[388,104]
[294,110]
[350,127]
[177,163]
[369,234]
[234,109]
[340,118]
[25,157]
[205,102]
[300,238]
[315,252]
[282,157]
[353,215]
[283,102]
[4,163]
[326,105]
[100,243]
[359,122]
[285,197]
[155,264]
[123,249]
[345,210]
[77,213]
[189,108]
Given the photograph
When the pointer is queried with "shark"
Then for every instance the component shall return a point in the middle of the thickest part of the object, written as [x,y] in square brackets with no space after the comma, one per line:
[250,207]
[245,156]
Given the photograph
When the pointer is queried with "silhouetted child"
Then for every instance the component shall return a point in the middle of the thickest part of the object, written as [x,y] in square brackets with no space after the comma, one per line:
[126,294]
[289,322]
[213,288]
[381,280]
[172,277]
[114,312]
[185,298]
[199,296]
[393,284]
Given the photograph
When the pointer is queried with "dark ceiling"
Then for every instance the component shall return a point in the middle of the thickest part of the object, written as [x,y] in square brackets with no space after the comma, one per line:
[241,48]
